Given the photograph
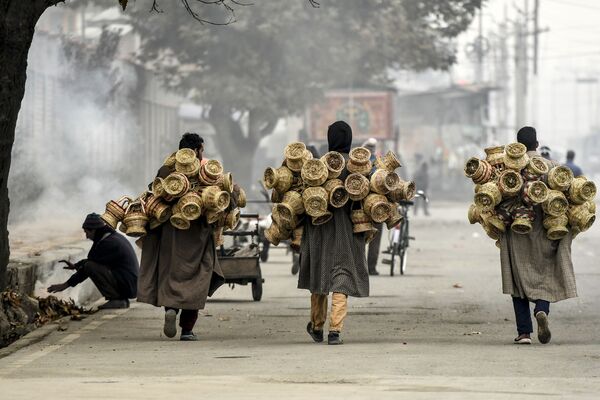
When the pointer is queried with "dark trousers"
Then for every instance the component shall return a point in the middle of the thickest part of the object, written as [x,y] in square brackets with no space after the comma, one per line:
[523,313]
[187,319]
[104,280]
[374,245]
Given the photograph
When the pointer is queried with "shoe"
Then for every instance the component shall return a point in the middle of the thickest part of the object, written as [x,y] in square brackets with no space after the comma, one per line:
[523,339]
[373,273]
[170,327]
[317,336]
[188,337]
[114,304]
[544,334]
[334,338]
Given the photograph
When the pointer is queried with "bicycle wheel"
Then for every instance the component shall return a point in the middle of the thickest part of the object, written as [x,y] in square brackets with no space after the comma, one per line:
[392,260]
[403,253]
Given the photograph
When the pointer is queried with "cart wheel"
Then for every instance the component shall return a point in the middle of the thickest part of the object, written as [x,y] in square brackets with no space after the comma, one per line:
[257,289]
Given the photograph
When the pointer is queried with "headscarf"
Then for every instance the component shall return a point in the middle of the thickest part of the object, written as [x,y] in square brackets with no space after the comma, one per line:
[93,221]
[528,136]
[339,137]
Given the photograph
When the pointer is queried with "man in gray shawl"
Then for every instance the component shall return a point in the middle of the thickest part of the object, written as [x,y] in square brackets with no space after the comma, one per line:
[534,268]
[332,257]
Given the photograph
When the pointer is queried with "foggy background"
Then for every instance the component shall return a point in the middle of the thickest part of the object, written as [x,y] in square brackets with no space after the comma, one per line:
[93,129]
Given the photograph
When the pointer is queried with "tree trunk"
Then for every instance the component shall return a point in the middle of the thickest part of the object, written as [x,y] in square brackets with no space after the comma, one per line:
[17,24]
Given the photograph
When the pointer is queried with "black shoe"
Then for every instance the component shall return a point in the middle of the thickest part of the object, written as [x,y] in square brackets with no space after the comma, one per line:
[317,336]
[114,304]
[188,337]
[334,338]
[373,273]
[544,334]
[170,326]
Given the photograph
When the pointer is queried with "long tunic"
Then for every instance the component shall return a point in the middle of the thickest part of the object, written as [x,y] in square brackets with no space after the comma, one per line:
[332,257]
[179,268]
[534,267]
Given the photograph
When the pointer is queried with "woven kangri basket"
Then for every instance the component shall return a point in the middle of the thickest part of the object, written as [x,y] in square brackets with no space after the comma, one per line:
[322,219]
[338,195]
[242,199]
[280,179]
[178,220]
[360,156]
[389,162]
[294,200]
[190,205]
[474,214]
[582,190]
[492,232]
[314,172]
[405,191]
[189,170]
[394,219]
[284,216]
[515,150]
[550,221]
[537,166]
[364,169]
[225,182]
[556,204]
[232,218]
[315,201]
[377,207]
[510,183]
[516,164]
[176,184]
[335,163]
[170,161]
[357,186]
[495,157]
[115,211]
[560,178]
[185,156]
[591,207]
[155,208]
[212,169]
[557,232]
[276,197]
[275,234]
[535,192]
[580,217]
[295,155]
[215,199]
[213,216]
[523,220]
[504,214]
[135,219]
[218,237]
[497,224]
[157,187]
[297,238]
[360,221]
[383,182]
[488,197]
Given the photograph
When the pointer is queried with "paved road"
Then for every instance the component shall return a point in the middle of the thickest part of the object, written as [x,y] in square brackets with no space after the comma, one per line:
[417,336]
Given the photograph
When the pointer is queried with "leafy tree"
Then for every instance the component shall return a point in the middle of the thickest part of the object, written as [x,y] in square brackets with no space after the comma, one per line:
[281,55]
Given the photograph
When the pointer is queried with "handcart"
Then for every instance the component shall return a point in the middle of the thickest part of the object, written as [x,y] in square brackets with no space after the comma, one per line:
[239,257]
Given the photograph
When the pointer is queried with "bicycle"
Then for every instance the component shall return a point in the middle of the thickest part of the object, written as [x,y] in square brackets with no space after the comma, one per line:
[399,236]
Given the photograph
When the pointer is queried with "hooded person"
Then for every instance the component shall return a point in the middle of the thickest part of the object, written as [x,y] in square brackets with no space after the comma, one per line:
[111,264]
[375,244]
[534,268]
[332,257]
[179,268]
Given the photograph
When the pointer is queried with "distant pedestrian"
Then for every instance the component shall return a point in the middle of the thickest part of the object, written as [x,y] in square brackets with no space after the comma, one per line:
[421,179]
[571,164]
[111,264]
[375,244]
[535,268]
[546,152]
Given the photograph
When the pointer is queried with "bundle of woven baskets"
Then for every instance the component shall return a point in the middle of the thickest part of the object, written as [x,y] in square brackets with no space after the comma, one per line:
[308,189]
[193,189]
[511,187]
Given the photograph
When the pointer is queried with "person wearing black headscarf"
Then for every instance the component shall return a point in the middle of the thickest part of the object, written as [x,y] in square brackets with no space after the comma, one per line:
[111,264]
[332,257]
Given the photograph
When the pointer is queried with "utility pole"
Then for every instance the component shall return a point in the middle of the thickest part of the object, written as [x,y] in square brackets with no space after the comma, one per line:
[521,70]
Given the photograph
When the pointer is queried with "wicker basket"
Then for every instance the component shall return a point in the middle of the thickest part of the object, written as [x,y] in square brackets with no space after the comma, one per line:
[178,220]
[496,223]
[556,204]
[515,150]
[357,186]
[276,197]
[537,167]
[170,161]
[315,201]
[214,216]
[535,192]
[580,217]
[516,164]
[157,187]
[521,226]
[115,211]
[383,182]
[591,206]
[335,163]
[187,163]
[297,238]
[284,216]
[135,219]
[480,171]
[225,182]
[314,172]
[322,219]
[280,179]
[156,209]
[560,178]
[360,156]
[215,199]
[510,183]
[582,190]
[389,162]
[338,195]
[242,200]
[495,157]
[488,197]
[190,205]
[474,214]
[405,191]
[394,219]
[295,155]
[275,234]
[176,184]
[363,169]
[377,207]
[212,169]
[232,218]
[294,201]
[218,237]
[360,221]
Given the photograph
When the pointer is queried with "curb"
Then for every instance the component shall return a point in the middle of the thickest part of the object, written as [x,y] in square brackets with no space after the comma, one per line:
[34,336]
